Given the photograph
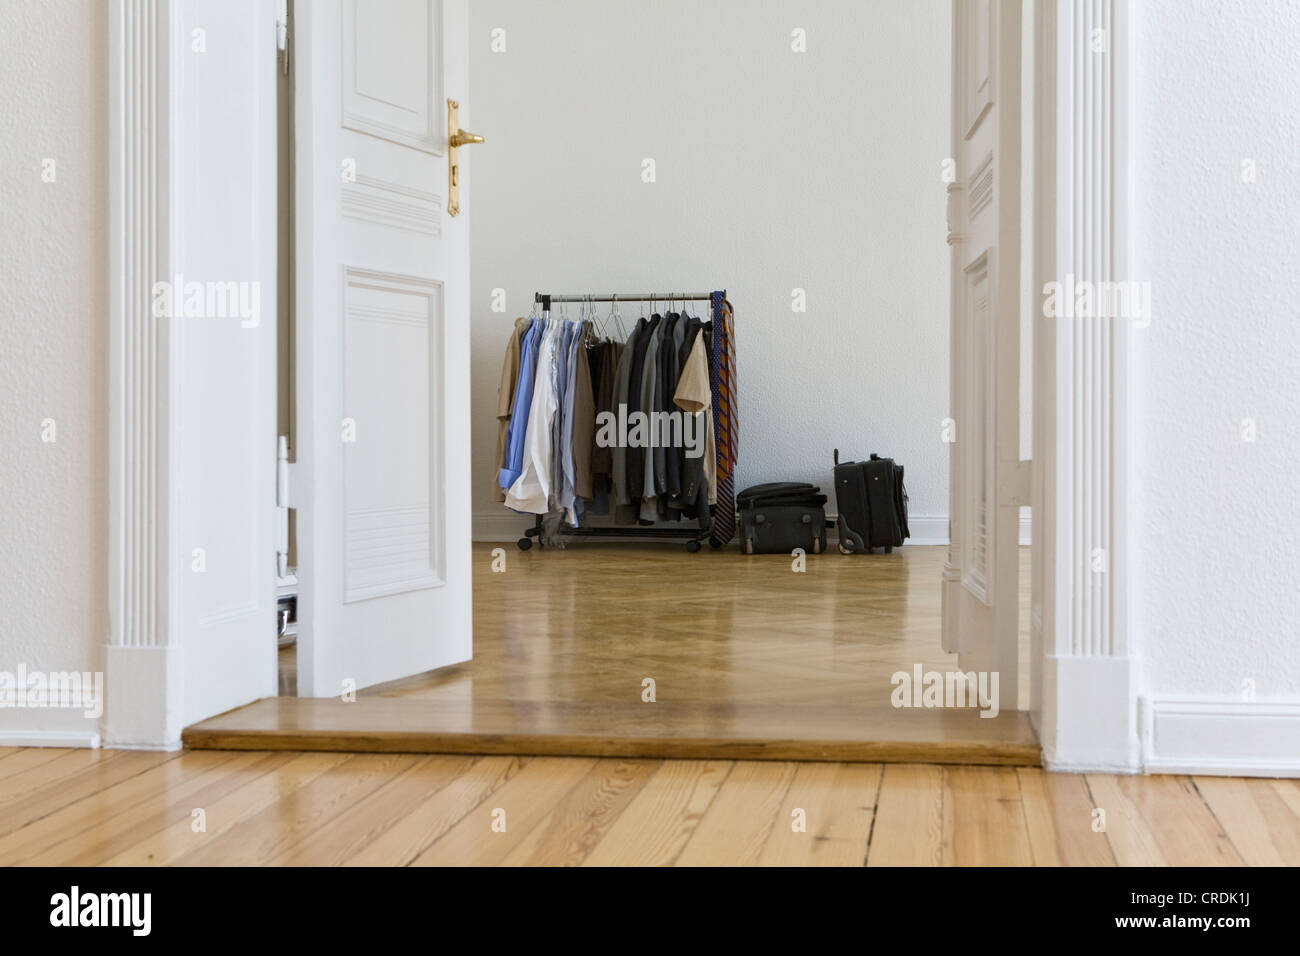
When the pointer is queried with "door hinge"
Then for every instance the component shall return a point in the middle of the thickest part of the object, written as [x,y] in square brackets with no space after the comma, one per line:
[1014,483]
[282,506]
[282,34]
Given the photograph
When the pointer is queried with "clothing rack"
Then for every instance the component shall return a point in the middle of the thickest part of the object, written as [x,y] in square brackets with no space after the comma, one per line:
[694,537]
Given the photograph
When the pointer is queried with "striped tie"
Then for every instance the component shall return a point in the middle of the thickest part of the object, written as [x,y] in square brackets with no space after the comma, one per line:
[725,423]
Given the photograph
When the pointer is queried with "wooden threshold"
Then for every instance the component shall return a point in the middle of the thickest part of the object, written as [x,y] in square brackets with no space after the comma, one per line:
[664,730]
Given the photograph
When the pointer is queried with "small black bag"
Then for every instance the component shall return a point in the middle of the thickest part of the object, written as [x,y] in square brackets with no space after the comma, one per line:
[872,504]
[780,516]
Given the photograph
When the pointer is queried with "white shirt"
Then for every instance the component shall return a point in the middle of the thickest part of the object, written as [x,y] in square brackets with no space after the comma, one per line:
[531,491]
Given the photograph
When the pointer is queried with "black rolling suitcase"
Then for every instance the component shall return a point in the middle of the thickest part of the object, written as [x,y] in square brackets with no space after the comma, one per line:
[780,516]
[872,504]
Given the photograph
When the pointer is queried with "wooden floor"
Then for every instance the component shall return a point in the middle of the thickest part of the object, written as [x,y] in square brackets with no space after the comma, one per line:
[750,660]
[85,807]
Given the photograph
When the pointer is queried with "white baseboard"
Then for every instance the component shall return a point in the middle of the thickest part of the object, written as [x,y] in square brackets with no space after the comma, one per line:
[926,529]
[49,727]
[1224,738]
[48,738]
[504,525]
[500,526]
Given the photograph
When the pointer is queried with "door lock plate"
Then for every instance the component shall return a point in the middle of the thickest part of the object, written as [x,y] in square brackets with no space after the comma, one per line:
[456,138]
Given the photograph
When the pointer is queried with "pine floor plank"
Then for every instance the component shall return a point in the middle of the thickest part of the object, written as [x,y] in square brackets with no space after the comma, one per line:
[736,825]
[908,827]
[19,759]
[839,802]
[442,809]
[576,824]
[265,835]
[1179,821]
[44,767]
[268,790]
[167,807]
[102,806]
[1130,839]
[1288,791]
[1059,819]
[983,818]
[1263,828]
[361,824]
[526,800]
[96,775]
[659,821]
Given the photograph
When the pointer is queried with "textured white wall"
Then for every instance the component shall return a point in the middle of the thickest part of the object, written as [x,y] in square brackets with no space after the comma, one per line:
[53,334]
[776,171]
[1218,522]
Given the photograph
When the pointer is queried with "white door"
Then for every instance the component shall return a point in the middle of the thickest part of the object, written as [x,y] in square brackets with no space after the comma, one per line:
[225,410]
[382,481]
[987,481]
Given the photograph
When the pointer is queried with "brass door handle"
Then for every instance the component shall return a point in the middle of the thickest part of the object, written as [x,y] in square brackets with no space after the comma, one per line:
[461,138]
[456,138]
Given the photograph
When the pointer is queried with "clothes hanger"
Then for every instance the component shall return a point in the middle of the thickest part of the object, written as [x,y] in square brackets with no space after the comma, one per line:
[616,318]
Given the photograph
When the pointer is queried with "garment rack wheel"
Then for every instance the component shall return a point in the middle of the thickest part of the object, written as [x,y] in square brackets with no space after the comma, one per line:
[524,543]
[693,545]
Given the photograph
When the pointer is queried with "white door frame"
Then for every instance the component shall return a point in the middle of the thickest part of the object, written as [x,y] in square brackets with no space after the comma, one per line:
[1084,687]
[144,682]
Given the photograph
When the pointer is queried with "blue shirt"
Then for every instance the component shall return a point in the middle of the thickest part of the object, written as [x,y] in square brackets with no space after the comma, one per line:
[513,465]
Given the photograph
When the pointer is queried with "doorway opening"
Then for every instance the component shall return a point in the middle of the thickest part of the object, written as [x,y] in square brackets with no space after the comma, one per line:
[830,243]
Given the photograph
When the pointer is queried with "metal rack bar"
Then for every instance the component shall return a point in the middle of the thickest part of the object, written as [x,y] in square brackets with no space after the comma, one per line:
[625,297]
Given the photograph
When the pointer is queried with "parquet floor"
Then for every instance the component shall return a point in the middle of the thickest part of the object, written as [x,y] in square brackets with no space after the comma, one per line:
[748,658]
[88,807]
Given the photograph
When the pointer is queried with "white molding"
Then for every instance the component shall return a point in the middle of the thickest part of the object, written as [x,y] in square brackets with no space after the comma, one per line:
[49,738]
[393,204]
[1087,711]
[141,467]
[143,696]
[1247,738]
[66,726]
[428,140]
[1090,727]
[927,530]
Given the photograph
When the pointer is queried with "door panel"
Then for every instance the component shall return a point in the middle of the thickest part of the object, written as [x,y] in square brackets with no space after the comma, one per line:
[381,485]
[226,409]
[980,607]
